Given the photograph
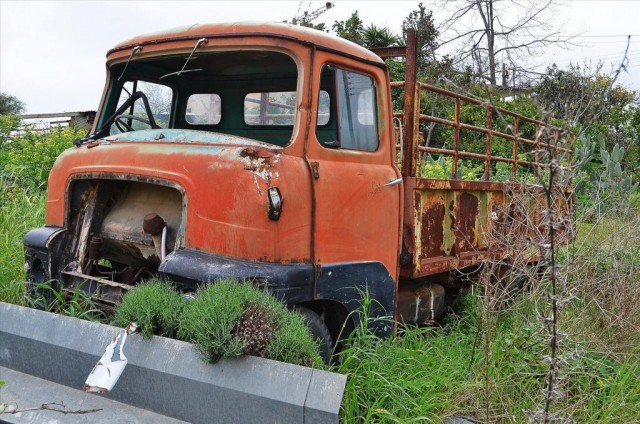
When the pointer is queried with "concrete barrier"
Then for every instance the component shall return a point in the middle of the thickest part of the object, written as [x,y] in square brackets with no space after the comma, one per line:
[168,376]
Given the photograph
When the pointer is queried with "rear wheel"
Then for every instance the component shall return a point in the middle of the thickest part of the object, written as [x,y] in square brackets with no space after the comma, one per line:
[319,331]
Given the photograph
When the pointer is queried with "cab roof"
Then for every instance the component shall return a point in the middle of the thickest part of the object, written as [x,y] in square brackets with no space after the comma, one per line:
[297,33]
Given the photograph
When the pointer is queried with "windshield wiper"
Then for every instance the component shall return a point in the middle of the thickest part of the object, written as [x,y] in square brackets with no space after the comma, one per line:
[136,50]
[182,71]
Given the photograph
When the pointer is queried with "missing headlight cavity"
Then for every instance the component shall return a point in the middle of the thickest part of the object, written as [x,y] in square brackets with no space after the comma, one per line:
[107,235]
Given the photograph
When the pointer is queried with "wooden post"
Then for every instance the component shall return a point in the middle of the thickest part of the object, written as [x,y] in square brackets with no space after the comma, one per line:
[411,107]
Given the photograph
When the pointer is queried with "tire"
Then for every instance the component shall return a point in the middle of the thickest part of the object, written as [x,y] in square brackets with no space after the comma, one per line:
[319,331]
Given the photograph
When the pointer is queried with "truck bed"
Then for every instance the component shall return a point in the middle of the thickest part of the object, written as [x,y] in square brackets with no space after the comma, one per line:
[491,166]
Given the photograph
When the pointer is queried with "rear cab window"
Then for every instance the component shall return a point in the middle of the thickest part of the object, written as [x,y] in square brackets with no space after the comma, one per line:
[270,109]
[204,109]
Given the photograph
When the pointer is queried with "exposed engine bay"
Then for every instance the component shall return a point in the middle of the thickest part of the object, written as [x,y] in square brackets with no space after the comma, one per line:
[119,232]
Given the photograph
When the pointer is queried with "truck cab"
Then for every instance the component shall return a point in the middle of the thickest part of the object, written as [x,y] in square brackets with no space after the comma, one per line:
[261,152]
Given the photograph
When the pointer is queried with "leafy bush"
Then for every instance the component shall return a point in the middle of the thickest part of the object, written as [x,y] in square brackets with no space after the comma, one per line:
[212,319]
[440,168]
[27,159]
[155,306]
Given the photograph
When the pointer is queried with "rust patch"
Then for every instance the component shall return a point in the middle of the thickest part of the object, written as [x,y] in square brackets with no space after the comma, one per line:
[465,229]
[256,159]
[260,162]
[432,234]
[256,153]
[450,249]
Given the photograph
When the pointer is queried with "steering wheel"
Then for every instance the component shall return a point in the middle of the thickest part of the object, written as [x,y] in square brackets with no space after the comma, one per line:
[123,126]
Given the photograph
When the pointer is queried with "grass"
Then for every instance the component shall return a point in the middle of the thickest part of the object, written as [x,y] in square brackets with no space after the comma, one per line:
[75,303]
[210,322]
[155,306]
[428,374]
[20,211]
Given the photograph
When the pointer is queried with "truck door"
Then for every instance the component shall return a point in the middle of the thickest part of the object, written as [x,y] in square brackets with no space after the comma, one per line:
[357,191]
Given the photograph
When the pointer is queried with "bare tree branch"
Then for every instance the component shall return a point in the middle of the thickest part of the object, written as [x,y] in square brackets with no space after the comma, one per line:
[489,30]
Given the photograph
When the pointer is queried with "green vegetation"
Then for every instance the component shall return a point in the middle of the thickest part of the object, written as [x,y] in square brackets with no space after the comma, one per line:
[226,319]
[229,319]
[427,374]
[491,364]
[74,303]
[155,306]
[26,160]
[20,211]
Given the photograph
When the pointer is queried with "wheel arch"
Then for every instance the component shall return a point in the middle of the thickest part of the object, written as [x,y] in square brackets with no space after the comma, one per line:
[334,314]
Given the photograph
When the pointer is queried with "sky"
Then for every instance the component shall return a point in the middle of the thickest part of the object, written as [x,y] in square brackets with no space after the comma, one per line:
[52,53]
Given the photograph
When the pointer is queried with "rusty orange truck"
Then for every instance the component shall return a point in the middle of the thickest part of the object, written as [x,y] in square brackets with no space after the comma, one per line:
[271,153]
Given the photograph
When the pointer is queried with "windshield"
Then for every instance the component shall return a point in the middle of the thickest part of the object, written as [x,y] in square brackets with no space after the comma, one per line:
[250,94]
[159,97]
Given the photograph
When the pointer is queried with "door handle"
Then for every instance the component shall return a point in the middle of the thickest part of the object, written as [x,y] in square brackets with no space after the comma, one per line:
[394,181]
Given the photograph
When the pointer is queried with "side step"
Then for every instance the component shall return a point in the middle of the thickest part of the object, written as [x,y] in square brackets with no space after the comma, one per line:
[166,376]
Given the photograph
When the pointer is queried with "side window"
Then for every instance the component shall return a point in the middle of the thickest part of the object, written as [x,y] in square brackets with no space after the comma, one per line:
[159,97]
[356,126]
[270,109]
[324,108]
[204,109]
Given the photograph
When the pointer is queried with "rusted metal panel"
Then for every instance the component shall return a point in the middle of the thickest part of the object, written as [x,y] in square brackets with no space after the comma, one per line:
[357,213]
[453,224]
[464,222]
[431,223]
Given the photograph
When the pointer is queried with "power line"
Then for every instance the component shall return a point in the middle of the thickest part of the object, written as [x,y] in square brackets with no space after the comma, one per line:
[612,56]
[606,36]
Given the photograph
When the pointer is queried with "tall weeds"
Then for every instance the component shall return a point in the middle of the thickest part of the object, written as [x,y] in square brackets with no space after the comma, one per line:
[26,158]
[20,211]
[563,350]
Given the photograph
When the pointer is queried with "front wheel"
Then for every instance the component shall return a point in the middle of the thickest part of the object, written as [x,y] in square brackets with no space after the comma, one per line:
[319,331]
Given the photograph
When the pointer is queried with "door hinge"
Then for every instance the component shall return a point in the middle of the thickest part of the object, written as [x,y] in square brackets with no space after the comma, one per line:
[315,169]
